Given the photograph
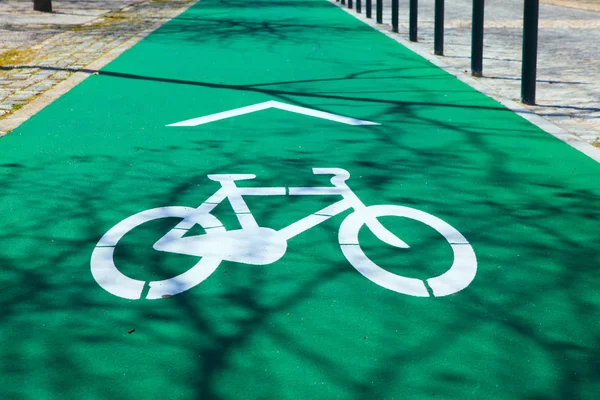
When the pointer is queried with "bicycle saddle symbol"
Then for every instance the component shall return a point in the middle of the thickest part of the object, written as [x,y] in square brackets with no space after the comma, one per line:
[256,245]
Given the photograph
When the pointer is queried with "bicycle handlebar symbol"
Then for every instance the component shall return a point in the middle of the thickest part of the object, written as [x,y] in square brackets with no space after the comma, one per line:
[253,244]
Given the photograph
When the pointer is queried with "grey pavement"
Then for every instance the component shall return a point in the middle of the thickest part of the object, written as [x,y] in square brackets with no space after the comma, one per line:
[568,80]
[40,50]
[20,26]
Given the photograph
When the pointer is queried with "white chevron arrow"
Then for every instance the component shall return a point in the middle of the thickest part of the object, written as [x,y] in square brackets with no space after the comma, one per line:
[272,104]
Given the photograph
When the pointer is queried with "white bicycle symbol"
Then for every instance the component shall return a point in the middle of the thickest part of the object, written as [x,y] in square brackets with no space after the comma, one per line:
[253,244]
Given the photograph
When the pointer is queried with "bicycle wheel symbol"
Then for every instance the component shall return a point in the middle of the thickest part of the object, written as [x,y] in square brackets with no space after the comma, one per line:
[458,277]
[258,245]
[108,276]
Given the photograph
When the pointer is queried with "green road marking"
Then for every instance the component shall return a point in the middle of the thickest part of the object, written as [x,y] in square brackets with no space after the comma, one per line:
[308,325]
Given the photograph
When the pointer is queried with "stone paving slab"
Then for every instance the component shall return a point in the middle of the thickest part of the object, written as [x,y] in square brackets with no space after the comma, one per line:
[48,48]
[20,26]
[590,5]
[568,88]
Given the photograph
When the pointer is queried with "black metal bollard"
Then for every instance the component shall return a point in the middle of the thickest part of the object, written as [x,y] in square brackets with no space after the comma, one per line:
[369,7]
[438,32]
[395,15]
[350,4]
[358,6]
[477,38]
[413,20]
[42,5]
[379,6]
[530,41]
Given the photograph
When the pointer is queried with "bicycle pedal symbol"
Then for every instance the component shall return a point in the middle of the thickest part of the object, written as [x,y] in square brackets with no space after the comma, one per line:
[256,245]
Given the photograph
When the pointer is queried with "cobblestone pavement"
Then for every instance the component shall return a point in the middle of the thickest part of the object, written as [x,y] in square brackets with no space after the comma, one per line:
[568,79]
[38,50]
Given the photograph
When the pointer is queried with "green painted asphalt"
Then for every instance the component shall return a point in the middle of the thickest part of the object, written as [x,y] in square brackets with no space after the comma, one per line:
[308,325]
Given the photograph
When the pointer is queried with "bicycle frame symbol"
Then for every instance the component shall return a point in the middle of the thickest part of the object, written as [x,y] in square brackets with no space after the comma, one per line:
[256,245]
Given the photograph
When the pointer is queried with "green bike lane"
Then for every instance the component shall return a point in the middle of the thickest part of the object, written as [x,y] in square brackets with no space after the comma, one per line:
[308,325]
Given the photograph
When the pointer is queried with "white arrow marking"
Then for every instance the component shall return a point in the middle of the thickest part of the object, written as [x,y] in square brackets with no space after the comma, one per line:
[272,104]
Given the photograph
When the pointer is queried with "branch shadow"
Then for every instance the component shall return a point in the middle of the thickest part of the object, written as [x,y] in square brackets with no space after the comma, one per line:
[310,324]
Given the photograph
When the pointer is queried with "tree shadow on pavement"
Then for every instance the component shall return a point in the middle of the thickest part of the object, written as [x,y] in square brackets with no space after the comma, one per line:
[310,324]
